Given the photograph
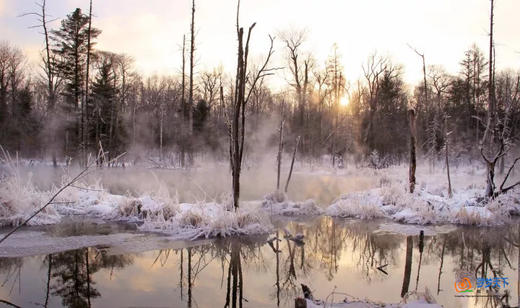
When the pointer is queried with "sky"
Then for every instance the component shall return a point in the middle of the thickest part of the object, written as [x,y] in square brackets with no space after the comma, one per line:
[151,31]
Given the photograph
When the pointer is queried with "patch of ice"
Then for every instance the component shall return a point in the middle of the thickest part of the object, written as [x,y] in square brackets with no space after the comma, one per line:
[30,243]
[403,229]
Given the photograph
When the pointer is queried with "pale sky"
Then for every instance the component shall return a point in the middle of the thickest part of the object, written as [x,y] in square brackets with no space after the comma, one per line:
[151,30]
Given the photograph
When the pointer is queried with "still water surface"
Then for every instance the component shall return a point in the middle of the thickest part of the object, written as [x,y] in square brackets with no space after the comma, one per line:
[336,255]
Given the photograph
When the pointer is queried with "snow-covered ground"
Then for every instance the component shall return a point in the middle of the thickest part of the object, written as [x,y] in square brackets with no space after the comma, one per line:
[385,196]
[430,203]
[418,302]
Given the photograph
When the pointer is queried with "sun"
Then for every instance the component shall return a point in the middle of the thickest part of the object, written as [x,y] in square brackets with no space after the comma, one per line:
[344,101]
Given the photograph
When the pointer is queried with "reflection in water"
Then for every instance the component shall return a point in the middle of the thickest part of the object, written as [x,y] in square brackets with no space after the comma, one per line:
[267,271]
[408,266]
[69,274]
[235,282]
[71,278]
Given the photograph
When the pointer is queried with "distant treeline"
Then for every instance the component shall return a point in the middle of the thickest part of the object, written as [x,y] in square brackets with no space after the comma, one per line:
[81,100]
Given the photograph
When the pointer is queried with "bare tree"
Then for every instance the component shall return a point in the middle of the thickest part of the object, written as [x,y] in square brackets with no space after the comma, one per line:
[184,107]
[495,143]
[279,156]
[237,123]
[210,86]
[292,163]
[413,159]
[84,109]
[425,84]
[373,71]
[447,153]
[300,70]
[192,64]
[52,78]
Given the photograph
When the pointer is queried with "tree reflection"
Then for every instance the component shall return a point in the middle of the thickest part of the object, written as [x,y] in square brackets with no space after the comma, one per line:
[328,249]
[71,274]
[480,253]
[72,281]
[235,281]
[408,266]
[11,268]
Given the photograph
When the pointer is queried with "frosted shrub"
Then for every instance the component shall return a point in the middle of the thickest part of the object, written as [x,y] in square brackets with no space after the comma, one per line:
[479,216]
[392,194]
[19,199]
[277,203]
[190,218]
[357,205]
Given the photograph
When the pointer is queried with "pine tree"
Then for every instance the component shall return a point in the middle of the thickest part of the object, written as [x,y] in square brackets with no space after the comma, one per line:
[71,45]
[106,120]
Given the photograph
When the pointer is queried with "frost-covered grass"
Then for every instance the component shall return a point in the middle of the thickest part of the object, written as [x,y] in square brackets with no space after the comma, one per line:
[19,198]
[155,211]
[278,203]
[430,203]
[411,300]
[158,212]
[370,194]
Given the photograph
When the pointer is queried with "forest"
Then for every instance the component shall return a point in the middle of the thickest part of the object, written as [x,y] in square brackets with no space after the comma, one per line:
[80,100]
[281,166]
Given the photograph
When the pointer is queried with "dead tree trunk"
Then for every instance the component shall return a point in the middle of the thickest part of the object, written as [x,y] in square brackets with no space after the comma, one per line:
[183,104]
[492,138]
[84,112]
[489,133]
[292,163]
[236,125]
[190,99]
[447,152]
[413,159]
[50,74]
[279,157]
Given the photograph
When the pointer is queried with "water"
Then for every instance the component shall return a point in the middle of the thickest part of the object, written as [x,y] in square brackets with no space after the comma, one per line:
[210,183]
[338,255]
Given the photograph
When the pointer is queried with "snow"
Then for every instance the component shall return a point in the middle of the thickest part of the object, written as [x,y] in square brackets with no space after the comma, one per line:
[164,214]
[429,204]
[277,203]
[19,199]
[423,208]
[205,220]
[157,211]
[412,300]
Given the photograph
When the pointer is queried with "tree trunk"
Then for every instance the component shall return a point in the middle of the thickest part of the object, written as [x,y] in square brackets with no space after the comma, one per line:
[236,127]
[279,157]
[85,118]
[292,163]
[161,135]
[447,152]
[192,64]
[413,159]
[183,103]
